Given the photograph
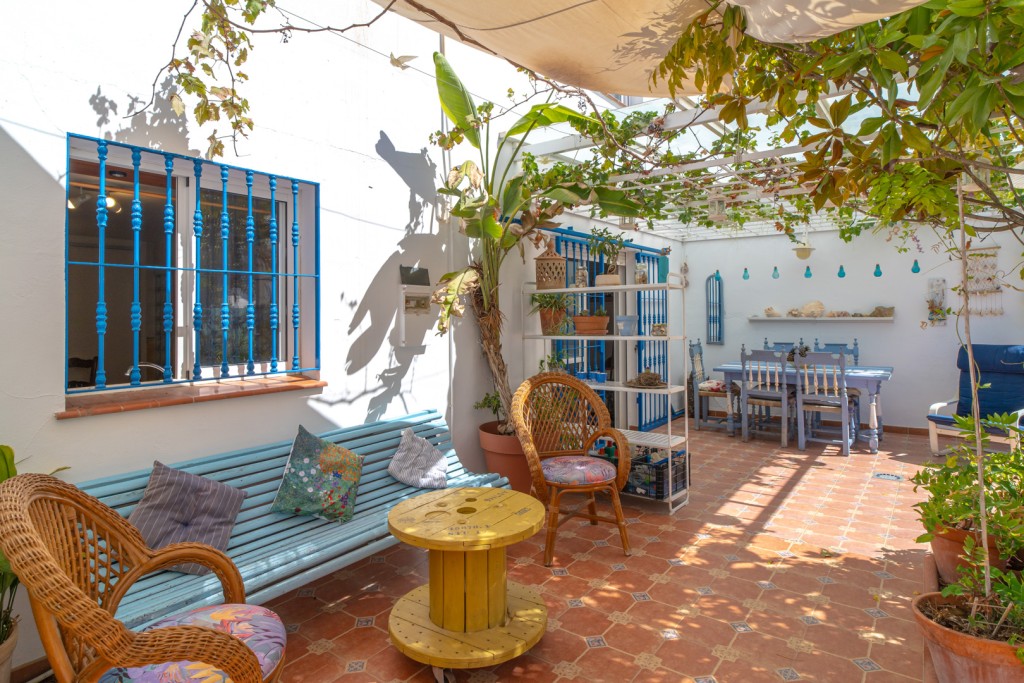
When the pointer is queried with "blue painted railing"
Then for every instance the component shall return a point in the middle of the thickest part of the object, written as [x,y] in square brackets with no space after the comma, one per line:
[651,307]
[262,267]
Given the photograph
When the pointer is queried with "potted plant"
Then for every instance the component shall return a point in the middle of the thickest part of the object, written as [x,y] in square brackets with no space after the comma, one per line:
[607,245]
[950,512]
[501,204]
[588,324]
[551,308]
[502,452]
[8,585]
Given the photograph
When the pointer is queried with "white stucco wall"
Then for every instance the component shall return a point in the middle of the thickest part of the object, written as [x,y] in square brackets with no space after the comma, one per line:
[328,109]
[923,356]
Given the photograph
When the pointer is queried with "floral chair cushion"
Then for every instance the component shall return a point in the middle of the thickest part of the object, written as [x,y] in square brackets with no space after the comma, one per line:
[713,385]
[259,628]
[577,469]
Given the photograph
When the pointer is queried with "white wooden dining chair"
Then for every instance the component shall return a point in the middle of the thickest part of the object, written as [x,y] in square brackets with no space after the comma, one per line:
[821,389]
[704,389]
[764,385]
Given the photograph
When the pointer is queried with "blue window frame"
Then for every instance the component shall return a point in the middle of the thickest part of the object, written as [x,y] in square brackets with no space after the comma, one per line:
[181,269]
[715,309]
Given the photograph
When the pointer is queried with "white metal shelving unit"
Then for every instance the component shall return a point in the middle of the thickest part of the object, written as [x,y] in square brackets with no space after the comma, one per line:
[667,440]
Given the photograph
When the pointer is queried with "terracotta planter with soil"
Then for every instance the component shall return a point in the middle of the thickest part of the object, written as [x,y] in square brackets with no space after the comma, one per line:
[948,546]
[504,454]
[591,324]
[960,658]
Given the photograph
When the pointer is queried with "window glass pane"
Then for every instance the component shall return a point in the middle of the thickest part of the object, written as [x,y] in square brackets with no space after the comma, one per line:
[264,262]
[83,280]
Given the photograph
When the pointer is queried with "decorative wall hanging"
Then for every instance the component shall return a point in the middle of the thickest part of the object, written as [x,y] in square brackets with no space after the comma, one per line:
[807,272]
[936,300]
[878,270]
[715,308]
[983,284]
[775,273]
[842,271]
[746,274]
[916,268]
[550,268]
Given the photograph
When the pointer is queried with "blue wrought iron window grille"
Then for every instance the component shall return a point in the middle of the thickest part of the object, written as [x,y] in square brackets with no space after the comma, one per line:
[715,309]
[181,269]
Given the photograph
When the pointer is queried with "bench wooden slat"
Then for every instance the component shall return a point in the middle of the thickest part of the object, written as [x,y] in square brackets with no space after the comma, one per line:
[276,552]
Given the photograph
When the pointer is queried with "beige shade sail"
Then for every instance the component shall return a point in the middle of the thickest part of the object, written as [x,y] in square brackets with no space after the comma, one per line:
[613,46]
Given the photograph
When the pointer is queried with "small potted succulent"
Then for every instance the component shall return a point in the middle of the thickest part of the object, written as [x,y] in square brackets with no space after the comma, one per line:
[607,245]
[591,324]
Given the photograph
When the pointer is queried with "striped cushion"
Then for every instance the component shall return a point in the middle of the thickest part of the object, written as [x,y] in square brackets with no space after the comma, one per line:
[418,463]
[178,507]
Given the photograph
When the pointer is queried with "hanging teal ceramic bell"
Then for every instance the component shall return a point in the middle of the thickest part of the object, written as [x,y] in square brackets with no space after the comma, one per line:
[916,268]
[878,270]
[807,272]
[775,273]
[842,271]
[746,274]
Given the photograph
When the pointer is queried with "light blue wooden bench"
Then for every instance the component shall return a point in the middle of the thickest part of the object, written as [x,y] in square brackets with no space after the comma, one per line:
[275,552]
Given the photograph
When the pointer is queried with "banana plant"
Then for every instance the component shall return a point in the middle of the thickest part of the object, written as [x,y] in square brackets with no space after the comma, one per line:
[499,205]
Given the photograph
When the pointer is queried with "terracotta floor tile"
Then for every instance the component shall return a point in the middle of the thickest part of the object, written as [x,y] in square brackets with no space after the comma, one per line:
[759,513]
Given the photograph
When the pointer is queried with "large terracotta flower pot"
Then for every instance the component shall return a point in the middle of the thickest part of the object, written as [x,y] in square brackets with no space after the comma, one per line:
[504,454]
[591,324]
[948,546]
[7,654]
[960,658]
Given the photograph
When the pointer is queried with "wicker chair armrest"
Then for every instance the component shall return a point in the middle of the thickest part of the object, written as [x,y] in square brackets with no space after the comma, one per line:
[184,643]
[621,449]
[182,553]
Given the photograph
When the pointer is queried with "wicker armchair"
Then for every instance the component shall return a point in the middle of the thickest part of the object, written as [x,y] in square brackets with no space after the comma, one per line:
[558,418]
[78,558]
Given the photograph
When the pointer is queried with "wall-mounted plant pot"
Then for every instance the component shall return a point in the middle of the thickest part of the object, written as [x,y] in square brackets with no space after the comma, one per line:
[591,324]
[607,280]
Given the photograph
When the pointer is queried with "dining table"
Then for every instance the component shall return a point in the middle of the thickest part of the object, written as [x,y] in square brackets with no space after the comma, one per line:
[867,379]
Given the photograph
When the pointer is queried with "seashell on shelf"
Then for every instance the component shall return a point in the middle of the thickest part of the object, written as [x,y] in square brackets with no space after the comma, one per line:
[813,309]
[794,313]
[882,312]
[837,314]
[770,312]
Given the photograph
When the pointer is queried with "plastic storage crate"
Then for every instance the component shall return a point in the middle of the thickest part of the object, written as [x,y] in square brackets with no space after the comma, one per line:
[648,475]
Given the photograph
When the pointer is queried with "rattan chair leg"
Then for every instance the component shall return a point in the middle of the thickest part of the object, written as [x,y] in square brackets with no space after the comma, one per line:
[592,509]
[620,520]
[554,501]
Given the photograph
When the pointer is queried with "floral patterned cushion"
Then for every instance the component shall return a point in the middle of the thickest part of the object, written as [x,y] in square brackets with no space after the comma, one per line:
[577,469]
[714,385]
[259,628]
[320,479]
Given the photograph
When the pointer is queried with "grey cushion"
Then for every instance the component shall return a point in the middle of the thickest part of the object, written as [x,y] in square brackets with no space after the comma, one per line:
[418,463]
[179,507]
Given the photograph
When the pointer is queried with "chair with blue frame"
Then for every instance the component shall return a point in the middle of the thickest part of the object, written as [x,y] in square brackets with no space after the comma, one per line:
[764,385]
[852,353]
[783,346]
[821,388]
[1001,367]
[704,389]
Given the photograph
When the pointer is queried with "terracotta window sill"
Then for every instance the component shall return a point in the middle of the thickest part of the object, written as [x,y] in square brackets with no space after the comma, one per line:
[107,402]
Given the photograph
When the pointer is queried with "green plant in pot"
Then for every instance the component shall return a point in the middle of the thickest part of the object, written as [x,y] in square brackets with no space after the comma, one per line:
[607,245]
[8,583]
[500,203]
[591,322]
[950,512]
[551,308]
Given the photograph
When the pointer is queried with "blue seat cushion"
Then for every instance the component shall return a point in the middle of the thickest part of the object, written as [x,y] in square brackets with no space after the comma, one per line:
[1000,366]
[948,421]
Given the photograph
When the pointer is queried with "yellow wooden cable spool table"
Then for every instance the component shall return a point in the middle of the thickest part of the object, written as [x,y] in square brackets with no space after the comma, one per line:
[468,615]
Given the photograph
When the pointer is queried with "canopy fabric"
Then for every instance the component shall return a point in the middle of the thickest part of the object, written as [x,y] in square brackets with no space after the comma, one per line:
[613,46]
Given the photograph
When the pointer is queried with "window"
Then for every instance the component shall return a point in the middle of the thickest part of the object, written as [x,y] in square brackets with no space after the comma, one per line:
[180,269]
